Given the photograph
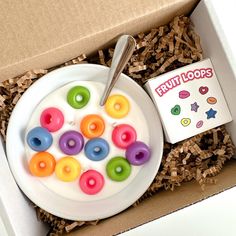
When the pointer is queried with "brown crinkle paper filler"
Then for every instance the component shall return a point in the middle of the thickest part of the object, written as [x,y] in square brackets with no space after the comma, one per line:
[160,50]
[163,49]
[11,91]
[200,158]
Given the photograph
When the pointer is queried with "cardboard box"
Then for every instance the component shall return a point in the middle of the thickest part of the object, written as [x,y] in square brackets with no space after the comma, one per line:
[43,34]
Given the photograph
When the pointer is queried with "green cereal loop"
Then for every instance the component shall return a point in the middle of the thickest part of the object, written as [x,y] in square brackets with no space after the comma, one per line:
[72,97]
[118,163]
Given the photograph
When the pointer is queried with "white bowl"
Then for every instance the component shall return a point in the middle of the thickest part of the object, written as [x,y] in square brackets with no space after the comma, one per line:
[49,200]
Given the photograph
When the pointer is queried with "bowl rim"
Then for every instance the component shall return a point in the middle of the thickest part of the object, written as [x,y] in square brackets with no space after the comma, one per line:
[47,203]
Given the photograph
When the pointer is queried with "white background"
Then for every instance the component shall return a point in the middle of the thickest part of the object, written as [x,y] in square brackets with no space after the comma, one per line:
[3,230]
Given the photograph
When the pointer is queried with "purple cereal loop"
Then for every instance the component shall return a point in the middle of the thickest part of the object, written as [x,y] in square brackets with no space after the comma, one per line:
[138,153]
[71,142]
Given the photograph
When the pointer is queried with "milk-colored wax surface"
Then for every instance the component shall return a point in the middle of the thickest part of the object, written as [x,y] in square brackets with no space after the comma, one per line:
[73,117]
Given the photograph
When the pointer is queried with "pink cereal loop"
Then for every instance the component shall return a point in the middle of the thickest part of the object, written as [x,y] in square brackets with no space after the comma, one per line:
[91,182]
[52,119]
[123,135]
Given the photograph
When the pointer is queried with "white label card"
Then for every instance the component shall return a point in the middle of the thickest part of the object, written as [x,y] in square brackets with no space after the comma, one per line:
[189,100]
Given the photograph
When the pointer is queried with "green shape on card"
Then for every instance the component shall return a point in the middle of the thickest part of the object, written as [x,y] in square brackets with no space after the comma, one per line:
[176,110]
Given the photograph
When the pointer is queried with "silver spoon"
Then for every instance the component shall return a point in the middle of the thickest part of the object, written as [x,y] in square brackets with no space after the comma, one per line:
[123,51]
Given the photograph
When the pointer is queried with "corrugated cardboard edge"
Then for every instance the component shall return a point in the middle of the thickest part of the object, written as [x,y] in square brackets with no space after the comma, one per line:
[90,43]
[150,209]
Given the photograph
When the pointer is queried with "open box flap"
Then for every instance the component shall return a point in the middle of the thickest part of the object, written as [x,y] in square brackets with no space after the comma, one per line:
[42,34]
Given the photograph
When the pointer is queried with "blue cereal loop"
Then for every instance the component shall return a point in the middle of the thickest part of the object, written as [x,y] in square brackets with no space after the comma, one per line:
[39,139]
[96,149]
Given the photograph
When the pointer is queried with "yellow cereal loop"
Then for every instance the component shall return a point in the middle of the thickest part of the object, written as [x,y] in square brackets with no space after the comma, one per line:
[67,169]
[117,106]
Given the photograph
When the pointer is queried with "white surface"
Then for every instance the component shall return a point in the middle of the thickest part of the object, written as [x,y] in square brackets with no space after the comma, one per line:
[3,230]
[52,202]
[224,15]
[216,216]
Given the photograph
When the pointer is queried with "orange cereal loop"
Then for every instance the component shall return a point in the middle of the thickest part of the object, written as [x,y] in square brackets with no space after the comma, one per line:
[67,169]
[117,106]
[42,164]
[92,126]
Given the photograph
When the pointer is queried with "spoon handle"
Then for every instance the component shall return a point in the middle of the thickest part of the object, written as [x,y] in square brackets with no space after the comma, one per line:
[123,51]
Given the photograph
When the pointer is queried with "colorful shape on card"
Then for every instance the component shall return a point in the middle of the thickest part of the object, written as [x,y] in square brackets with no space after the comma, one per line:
[199,124]
[203,90]
[211,113]
[183,94]
[185,122]
[194,107]
[211,100]
[176,110]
